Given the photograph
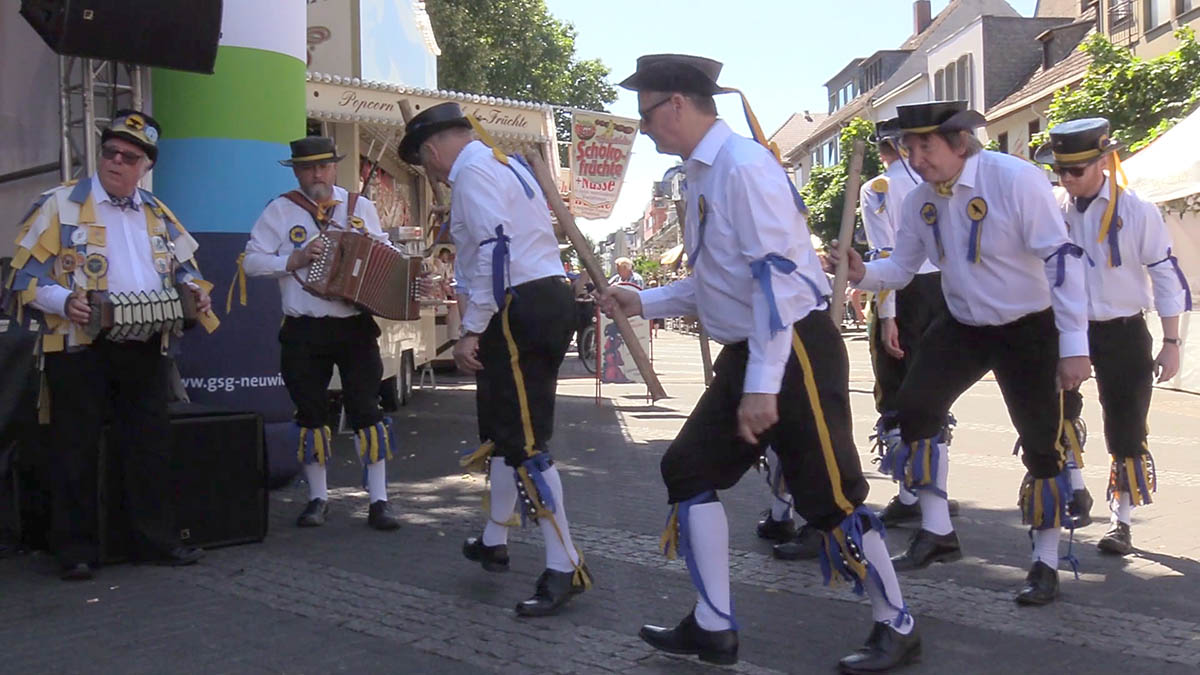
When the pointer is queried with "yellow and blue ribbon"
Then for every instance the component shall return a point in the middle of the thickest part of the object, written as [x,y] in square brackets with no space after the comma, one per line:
[929,214]
[680,515]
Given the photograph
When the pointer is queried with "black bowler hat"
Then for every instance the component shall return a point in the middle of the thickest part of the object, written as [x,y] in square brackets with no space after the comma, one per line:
[676,72]
[312,150]
[926,118]
[431,120]
[1077,142]
[136,127]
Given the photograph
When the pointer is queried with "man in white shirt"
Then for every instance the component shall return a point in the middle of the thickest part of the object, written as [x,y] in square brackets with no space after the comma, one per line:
[104,235]
[517,323]
[1014,288]
[1132,265]
[318,334]
[781,379]
[625,273]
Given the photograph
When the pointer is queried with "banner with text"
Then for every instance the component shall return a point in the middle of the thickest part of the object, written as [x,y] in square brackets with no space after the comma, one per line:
[600,149]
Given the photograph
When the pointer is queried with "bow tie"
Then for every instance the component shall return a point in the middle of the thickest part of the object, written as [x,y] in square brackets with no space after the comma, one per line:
[124,203]
[1082,203]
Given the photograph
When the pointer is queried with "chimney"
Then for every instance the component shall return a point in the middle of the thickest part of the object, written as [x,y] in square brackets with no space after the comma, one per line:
[922,16]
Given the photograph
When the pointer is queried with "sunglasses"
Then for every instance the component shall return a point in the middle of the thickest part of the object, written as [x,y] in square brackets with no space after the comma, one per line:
[645,114]
[109,152]
[1072,171]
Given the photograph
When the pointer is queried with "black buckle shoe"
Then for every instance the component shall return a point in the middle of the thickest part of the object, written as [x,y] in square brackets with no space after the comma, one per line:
[380,517]
[1041,585]
[712,646]
[1118,540]
[926,548]
[313,515]
[77,572]
[885,649]
[180,556]
[553,590]
[776,530]
[493,558]
[1079,509]
[806,546]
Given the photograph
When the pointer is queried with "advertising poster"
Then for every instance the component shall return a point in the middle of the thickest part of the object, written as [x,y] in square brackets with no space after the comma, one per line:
[600,149]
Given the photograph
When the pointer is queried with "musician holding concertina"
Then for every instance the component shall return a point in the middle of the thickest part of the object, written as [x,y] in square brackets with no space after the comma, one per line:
[104,238]
[317,333]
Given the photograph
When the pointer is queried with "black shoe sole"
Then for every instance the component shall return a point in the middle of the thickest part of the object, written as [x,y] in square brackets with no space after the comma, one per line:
[384,527]
[1027,601]
[1113,547]
[947,557]
[715,658]
[537,613]
[913,656]
[485,563]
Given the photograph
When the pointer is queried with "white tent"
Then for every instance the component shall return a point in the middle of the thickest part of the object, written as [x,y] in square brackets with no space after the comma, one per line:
[1167,172]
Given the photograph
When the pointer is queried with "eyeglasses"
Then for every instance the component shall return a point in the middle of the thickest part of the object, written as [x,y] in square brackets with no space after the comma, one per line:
[110,152]
[1073,171]
[645,114]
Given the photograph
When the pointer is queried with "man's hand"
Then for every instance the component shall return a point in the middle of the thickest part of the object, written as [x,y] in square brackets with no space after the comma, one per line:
[856,269]
[77,308]
[1166,364]
[203,301]
[889,336]
[1072,372]
[466,354]
[303,257]
[756,413]
[609,299]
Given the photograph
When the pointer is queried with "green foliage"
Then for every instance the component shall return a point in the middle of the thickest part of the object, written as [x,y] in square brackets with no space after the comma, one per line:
[1141,98]
[825,191]
[516,49]
[647,267]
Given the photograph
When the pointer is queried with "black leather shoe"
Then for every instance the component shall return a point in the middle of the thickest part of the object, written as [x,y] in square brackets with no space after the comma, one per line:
[1118,540]
[897,512]
[77,572]
[553,590]
[379,516]
[313,514]
[926,548]
[776,530]
[1079,509]
[712,646]
[806,546]
[180,556]
[1041,585]
[493,558]
[885,649]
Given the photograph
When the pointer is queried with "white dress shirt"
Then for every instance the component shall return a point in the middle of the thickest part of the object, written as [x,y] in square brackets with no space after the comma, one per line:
[485,194]
[1143,241]
[127,244]
[271,244]
[881,220]
[749,213]
[1021,236]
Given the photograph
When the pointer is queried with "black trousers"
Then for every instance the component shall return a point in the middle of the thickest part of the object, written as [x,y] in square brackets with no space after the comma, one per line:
[309,349]
[813,437]
[917,306]
[123,383]
[1024,356]
[521,352]
[1123,359]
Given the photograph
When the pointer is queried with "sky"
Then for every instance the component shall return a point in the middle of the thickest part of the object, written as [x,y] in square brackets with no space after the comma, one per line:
[779,52]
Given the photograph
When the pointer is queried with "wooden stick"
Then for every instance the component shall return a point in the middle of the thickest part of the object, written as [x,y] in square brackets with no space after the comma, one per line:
[846,233]
[546,180]
[705,352]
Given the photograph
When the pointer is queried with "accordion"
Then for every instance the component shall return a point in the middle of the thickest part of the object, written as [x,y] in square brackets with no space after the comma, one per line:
[367,273]
[138,316]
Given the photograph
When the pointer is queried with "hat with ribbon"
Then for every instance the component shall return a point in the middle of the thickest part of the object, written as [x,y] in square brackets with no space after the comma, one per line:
[430,121]
[676,72]
[136,127]
[1076,143]
[312,150]
[926,118]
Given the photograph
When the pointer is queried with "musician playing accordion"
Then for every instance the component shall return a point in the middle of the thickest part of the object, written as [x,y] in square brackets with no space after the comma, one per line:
[103,242]
[318,333]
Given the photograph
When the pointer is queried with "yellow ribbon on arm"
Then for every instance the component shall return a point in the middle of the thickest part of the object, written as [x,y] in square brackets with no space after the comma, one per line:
[238,282]
[1114,169]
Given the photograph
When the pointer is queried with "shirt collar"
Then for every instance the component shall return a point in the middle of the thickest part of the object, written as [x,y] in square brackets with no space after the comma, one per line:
[469,151]
[99,194]
[969,172]
[706,150]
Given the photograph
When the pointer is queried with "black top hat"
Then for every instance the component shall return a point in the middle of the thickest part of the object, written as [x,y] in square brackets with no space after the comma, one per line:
[886,131]
[1077,142]
[676,72]
[312,150]
[136,127]
[429,122]
[925,118]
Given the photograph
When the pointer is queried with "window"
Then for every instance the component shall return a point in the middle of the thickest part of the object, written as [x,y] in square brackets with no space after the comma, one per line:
[1120,13]
[951,83]
[1182,6]
[939,86]
[831,153]
[816,158]
[1034,127]
[1158,12]
[965,81]
[1002,142]
[872,75]
[833,102]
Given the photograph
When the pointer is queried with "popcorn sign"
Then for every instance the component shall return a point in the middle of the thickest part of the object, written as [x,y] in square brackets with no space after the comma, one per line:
[600,149]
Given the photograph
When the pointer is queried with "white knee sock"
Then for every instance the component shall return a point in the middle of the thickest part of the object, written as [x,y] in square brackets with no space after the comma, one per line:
[503,501]
[1122,509]
[314,474]
[884,603]
[907,497]
[1045,546]
[935,509]
[781,499]
[377,481]
[560,553]
[708,531]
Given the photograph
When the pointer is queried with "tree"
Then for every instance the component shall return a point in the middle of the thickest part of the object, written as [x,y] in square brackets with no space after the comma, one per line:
[825,191]
[1141,98]
[516,49]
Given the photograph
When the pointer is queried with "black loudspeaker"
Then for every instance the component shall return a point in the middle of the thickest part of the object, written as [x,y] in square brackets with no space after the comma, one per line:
[218,476]
[180,34]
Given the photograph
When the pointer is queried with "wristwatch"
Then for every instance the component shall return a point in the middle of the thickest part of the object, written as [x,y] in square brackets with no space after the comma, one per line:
[1175,341]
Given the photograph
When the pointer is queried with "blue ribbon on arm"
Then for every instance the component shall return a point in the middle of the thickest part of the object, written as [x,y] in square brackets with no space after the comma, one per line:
[761,269]
[1187,291]
[499,263]
[1067,249]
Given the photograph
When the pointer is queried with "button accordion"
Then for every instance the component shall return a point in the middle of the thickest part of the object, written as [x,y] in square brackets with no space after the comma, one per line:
[138,316]
[367,273]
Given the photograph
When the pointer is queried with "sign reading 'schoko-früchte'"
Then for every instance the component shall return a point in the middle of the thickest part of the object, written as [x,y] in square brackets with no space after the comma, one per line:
[600,149]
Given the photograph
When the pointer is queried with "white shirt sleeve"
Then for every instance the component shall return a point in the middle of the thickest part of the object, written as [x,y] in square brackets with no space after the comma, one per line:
[483,209]
[370,215]
[908,253]
[262,257]
[677,298]
[1169,297]
[51,299]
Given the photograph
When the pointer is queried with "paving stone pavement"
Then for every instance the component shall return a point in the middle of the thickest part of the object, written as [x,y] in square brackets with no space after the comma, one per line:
[345,598]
